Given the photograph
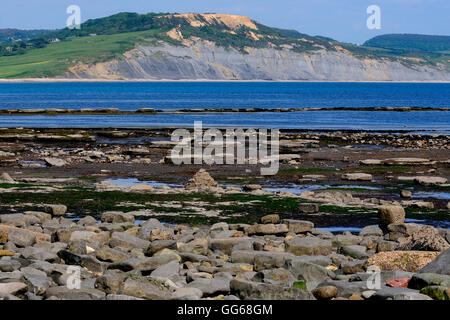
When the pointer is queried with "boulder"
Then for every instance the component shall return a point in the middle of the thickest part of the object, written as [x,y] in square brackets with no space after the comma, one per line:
[211,287]
[325,292]
[421,280]
[441,264]
[248,290]
[270,219]
[429,181]
[202,180]
[266,229]
[117,217]
[309,246]
[311,273]
[55,162]
[298,226]
[388,214]
[371,231]
[57,210]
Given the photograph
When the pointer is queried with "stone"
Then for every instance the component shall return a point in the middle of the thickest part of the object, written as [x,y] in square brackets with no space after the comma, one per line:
[441,264]
[411,296]
[421,280]
[267,258]
[248,290]
[12,287]
[251,187]
[38,284]
[145,289]
[82,294]
[166,271]
[57,210]
[226,245]
[19,220]
[299,226]
[202,180]
[21,238]
[425,238]
[312,274]
[6,253]
[406,194]
[265,229]
[196,246]
[388,214]
[384,246]
[187,294]
[427,181]
[87,221]
[279,276]
[122,239]
[309,246]
[70,258]
[271,218]
[55,162]
[117,217]
[388,293]
[308,208]
[371,231]
[142,264]
[211,287]
[6,178]
[346,240]
[111,281]
[147,227]
[110,255]
[358,176]
[9,265]
[398,283]
[355,251]
[353,266]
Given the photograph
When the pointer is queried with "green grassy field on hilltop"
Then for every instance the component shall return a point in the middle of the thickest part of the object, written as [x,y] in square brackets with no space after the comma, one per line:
[56,58]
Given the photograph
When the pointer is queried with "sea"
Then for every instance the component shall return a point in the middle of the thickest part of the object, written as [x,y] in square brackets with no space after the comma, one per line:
[170,96]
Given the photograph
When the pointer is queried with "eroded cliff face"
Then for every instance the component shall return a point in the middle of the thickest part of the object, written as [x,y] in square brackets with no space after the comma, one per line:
[200,59]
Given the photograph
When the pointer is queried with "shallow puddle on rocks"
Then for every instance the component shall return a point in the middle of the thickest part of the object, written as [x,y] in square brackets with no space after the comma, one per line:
[435,195]
[130,182]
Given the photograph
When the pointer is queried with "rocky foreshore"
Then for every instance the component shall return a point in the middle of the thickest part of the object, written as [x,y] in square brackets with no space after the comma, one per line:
[117,111]
[120,258]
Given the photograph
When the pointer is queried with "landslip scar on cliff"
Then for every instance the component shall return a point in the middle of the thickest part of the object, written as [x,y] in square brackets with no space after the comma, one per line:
[211,47]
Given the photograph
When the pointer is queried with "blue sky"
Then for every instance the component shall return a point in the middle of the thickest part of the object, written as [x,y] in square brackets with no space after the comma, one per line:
[343,20]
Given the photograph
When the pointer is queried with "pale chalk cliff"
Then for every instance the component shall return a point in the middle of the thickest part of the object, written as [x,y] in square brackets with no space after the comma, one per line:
[196,58]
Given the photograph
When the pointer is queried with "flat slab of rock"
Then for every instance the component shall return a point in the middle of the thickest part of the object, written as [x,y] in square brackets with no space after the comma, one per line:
[358,176]
[309,246]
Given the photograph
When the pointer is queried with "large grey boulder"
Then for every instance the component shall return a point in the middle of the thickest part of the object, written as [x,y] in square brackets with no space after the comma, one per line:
[441,264]
[309,246]
[312,274]
[211,287]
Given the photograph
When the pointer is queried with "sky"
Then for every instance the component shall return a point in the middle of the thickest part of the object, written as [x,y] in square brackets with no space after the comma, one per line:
[343,20]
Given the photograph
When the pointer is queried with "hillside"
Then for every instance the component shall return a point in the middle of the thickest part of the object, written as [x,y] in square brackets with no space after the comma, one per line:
[12,35]
[207,46]
[415,42]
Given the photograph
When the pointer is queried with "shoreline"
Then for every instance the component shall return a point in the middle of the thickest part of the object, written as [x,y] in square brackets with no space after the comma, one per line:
[63,80]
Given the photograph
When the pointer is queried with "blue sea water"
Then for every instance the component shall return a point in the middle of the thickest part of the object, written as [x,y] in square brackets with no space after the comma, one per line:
[186,95]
